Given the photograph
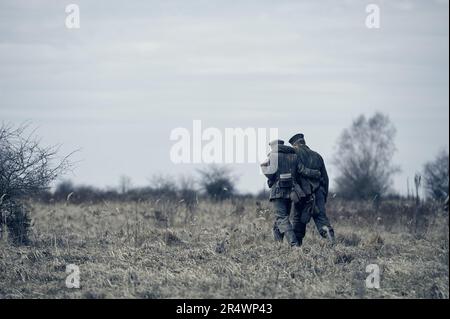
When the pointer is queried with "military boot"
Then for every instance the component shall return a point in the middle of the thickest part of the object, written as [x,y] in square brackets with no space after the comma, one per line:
[328,233]
[291,239]
[277,235]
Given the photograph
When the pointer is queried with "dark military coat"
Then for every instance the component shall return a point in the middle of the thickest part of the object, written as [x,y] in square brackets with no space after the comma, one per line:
[308,159]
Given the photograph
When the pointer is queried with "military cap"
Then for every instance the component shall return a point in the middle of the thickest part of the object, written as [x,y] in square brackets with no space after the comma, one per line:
[296,138]
[276,142]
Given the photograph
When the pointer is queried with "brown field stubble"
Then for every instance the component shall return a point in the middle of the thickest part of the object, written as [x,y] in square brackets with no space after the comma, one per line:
[225,250]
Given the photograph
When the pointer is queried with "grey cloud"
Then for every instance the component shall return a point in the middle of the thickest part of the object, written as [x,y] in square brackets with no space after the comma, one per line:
[136,70]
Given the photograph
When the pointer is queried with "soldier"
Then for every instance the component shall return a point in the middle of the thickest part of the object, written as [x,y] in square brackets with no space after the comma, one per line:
[316,191]
[281,169]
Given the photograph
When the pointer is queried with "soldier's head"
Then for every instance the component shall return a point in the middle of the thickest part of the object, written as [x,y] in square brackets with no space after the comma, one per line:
[274,144]
[297,140]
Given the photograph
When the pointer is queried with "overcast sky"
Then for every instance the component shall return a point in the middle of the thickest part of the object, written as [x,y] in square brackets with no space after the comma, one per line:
[135,70]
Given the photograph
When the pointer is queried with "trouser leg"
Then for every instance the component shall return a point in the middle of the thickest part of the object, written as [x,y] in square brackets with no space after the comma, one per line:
[282,208]
[277,235]
[299,223]
[320,217]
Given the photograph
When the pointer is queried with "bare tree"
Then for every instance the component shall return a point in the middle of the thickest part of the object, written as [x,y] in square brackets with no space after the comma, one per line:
[217,181]
[26,168]
[436,176]
[364,158]
[124,184]
[189,196]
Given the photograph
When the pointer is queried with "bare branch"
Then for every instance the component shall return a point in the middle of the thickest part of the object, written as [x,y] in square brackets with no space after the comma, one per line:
[26,167]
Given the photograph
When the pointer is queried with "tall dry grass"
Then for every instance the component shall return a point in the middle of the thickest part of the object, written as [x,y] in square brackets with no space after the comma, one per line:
[161,249]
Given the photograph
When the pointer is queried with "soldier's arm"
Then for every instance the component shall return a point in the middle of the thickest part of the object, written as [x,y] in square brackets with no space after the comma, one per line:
[324,178]
[307,172]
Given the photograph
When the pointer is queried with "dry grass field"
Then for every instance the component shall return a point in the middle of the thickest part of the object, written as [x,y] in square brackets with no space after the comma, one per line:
[224,250]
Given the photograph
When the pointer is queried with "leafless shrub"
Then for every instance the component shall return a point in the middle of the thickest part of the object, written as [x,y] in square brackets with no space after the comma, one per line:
[26,169]
[17,220]
[217,182]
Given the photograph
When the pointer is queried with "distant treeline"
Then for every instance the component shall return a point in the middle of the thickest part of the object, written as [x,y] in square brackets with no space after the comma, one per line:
[82,193]
[69,192]
[214,183]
